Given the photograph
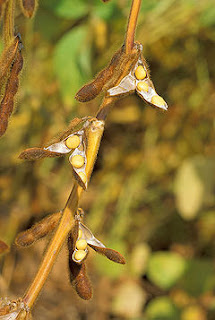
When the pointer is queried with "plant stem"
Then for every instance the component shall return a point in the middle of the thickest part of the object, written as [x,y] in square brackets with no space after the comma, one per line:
[132,22]
[94,135]
[8,25]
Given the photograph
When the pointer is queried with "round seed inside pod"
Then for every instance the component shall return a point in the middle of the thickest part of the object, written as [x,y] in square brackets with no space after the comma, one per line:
[73,142]
[77,161]
[83,176]
[80,255]
[80,233]
[143,86]
[158,101]
[81,244]
[140,73]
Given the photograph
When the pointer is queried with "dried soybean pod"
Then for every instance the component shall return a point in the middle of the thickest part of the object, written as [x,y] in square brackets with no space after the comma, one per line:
[109,253]
[28,7]
[38,153]
[38,231]
[80,280]
[72,238]
[91,90]
[8,56]
[7,103]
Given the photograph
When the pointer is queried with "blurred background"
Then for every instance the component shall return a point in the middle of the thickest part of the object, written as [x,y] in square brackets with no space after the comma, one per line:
[151,196]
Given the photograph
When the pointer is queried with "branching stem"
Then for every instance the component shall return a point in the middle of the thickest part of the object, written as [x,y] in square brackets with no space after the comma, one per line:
[67,220]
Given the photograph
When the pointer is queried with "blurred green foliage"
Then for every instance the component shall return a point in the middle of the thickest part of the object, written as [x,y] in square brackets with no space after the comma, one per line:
[152,191]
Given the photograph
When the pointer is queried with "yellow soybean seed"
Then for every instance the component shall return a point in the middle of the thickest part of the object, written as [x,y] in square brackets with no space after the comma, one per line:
[80,255]
[158,101]
[77,161]
[140,73]
[73,142]
[143,86]
[81,244]
[83,176]
[80,233]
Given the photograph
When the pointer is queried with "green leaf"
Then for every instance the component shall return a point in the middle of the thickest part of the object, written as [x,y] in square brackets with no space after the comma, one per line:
[105,11]
[199,277]
[165,269]
[72,63]
[162,308]
[67,9]
[193,186]
[207,17]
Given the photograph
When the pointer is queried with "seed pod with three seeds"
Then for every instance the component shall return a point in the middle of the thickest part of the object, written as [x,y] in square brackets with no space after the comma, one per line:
[138,79]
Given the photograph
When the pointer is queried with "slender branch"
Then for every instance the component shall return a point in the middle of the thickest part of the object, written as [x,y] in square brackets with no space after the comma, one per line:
[8,25]
[54,248]
[105,108]
[67,221]
[132,22]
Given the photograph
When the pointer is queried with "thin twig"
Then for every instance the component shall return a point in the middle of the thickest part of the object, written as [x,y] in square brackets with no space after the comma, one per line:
[132,22]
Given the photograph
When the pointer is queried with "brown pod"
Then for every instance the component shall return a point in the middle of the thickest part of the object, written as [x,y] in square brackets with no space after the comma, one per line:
[38,231]
[7,103]
[3,247]
[92,89]
[8,56]
[72,238]
[80,280]
[38,153]
[28,7]
[109,253]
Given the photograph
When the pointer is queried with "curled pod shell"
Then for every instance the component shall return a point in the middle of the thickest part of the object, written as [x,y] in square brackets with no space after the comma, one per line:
[38,153]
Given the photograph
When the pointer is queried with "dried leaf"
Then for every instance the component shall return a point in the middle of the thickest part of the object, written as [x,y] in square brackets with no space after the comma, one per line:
[109,253]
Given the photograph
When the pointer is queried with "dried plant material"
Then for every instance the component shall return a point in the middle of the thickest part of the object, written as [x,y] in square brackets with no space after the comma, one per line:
[110,76]
[109,253]
[3,247]
[37,154]
[2,7]
[11,89]
[38,231]
[14,310]
[8,21]
[80,280]
[8,56]
[28,7]
[139,79]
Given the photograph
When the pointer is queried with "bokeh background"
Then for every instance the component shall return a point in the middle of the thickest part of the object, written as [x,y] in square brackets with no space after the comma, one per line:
[152,192]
